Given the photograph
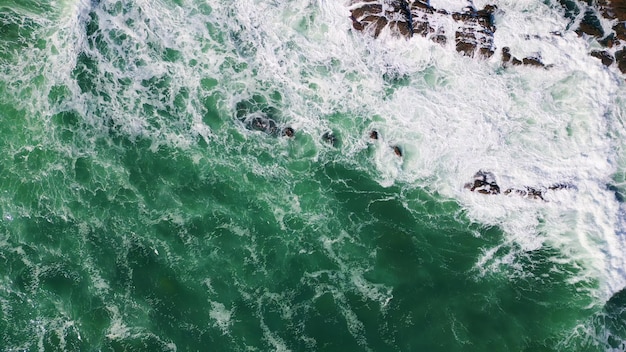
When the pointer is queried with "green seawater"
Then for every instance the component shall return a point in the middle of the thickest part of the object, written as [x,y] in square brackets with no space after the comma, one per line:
[167,240]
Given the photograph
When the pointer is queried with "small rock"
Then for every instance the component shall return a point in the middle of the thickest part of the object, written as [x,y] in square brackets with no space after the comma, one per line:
[288,132]
[606,58]
[329,138]
[484,182]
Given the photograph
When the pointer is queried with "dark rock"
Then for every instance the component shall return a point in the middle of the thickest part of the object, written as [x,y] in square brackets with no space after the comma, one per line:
[356,24]
[473,37]
[288,132]
[606,58]
[374,135]
[620,30]
[506,54]
[608,41]
[329,138]
[260,122]
[397,151]
[408,16]
[526,192]
[440,39]
[532,61]
[559,186]
[620,57]
[590,25]
[619,195]
[423,5]
[476,33]
[529,61]
[484,182]
[613,9]
[465,43]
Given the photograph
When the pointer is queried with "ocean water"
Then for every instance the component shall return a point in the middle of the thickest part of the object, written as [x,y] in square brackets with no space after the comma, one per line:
[141,210]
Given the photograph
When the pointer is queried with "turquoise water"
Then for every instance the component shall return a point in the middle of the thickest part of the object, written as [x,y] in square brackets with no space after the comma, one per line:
[142,212]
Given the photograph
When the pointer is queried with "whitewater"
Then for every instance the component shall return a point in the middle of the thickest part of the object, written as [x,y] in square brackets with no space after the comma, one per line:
[128,136]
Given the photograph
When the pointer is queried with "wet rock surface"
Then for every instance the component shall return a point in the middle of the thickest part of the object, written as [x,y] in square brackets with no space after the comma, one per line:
[605,22]
[485,183]
[260,122]
[508,59]
[330,138]
[473,35]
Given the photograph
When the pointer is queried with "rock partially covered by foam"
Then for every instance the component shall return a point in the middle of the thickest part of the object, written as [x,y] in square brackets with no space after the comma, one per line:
[604,21]
[330,138]
[261,122]
[404,18]
[508,59]
[484,182]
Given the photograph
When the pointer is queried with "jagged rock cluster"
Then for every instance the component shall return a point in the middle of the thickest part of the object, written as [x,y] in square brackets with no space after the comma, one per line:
[474,30]
[611,37]
[485,183]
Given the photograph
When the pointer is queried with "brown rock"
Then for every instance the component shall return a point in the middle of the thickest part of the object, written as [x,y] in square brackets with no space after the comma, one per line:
[529,61]
[526,192]
[506,54]
[465,43]
[366,10]
[288,132]
[620,57]
[606,58]
[590,25]
[620,30]
[408,17]
[613,9]
[532,61]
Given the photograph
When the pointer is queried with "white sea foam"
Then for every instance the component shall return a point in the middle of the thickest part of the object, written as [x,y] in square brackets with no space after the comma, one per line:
[452,116]
[221,316]
[455,116]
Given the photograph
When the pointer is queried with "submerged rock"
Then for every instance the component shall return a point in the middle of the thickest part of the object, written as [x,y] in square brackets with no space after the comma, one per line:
[261,122]
[330,138]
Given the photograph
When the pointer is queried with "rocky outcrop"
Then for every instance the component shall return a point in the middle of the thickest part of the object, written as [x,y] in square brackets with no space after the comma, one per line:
[485,183]
[610,34]
[259,121]
[473,35]
[508,59]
